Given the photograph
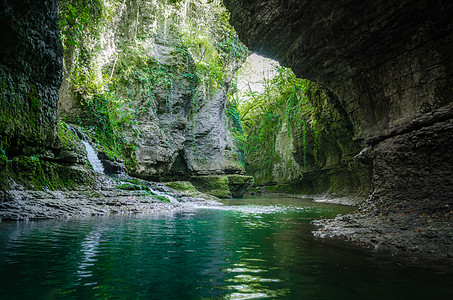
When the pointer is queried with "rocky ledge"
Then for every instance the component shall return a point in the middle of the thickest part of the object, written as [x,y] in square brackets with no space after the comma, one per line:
[409,211]
[406,231]
[108,198]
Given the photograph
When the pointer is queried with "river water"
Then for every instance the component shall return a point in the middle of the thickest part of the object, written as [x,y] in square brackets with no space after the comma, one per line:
[247,249]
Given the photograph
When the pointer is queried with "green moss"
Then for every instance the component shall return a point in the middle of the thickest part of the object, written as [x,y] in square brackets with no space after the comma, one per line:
[220,193]
[129,187]
[20,112]
[161,198]
[4,172]
[73,177]
[285,188]
[254,190]
[278,188]
[134,181]
[181,186]
[35,107]
[239,184]
[235,127]
[35,174]
[215,185]
[68,139]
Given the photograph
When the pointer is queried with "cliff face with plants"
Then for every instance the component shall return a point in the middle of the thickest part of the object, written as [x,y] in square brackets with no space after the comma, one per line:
[31,151]
[146,80]
[388,64]
[298,139]
[150,78]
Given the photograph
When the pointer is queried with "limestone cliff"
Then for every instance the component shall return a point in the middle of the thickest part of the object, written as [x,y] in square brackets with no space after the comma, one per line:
[166,68]
[146,79]
[33,150]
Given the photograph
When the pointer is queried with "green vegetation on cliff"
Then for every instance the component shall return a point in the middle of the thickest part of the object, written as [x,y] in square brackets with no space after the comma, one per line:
[284,101]
[292,132]
[131,65]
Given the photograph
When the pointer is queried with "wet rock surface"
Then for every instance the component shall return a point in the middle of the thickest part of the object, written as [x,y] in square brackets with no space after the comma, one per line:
[407,232]
[410,211]
[30,73]
[105,199]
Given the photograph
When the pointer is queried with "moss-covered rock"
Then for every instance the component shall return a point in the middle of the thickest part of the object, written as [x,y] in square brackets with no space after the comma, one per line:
[182,186]
[129,186]
[286,188]
[30,74]
[239,184]
[3,173]
[36,174]
[215,185]
[223,186]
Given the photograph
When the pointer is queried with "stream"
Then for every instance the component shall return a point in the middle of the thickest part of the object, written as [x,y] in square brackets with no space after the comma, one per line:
[247,249]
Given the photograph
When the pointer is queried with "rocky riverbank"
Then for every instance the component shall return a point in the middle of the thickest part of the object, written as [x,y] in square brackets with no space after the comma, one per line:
[415,232]
[109,197]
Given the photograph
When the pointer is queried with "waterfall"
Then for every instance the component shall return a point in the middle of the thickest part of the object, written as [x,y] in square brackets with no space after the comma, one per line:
[93,158]
[169,198]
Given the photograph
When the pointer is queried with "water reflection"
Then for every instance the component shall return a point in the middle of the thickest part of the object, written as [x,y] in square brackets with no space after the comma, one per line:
[89,250]
[236,252]
[251,282]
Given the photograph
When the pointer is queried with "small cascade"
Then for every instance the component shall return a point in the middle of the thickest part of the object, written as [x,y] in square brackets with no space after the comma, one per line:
[92,155]
[93,158]
[78,132]
[169,198]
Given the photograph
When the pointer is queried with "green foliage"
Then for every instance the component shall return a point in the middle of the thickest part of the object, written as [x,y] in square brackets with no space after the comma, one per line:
[81,18]
[107,122]
[81,23]
[285,99]
[216,50]
[239,137]
[119,91]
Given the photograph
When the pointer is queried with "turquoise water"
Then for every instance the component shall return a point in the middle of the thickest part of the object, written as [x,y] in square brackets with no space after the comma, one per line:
[251,248]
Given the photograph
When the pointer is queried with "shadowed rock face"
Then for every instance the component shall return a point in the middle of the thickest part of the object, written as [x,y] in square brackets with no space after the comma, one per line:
[30,73]
[389,64]
[387,61]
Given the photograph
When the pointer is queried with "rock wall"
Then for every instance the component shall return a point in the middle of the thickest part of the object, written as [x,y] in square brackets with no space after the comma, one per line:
[30,76]
[387,62]
[34,152]
[314,149]
[326,149]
